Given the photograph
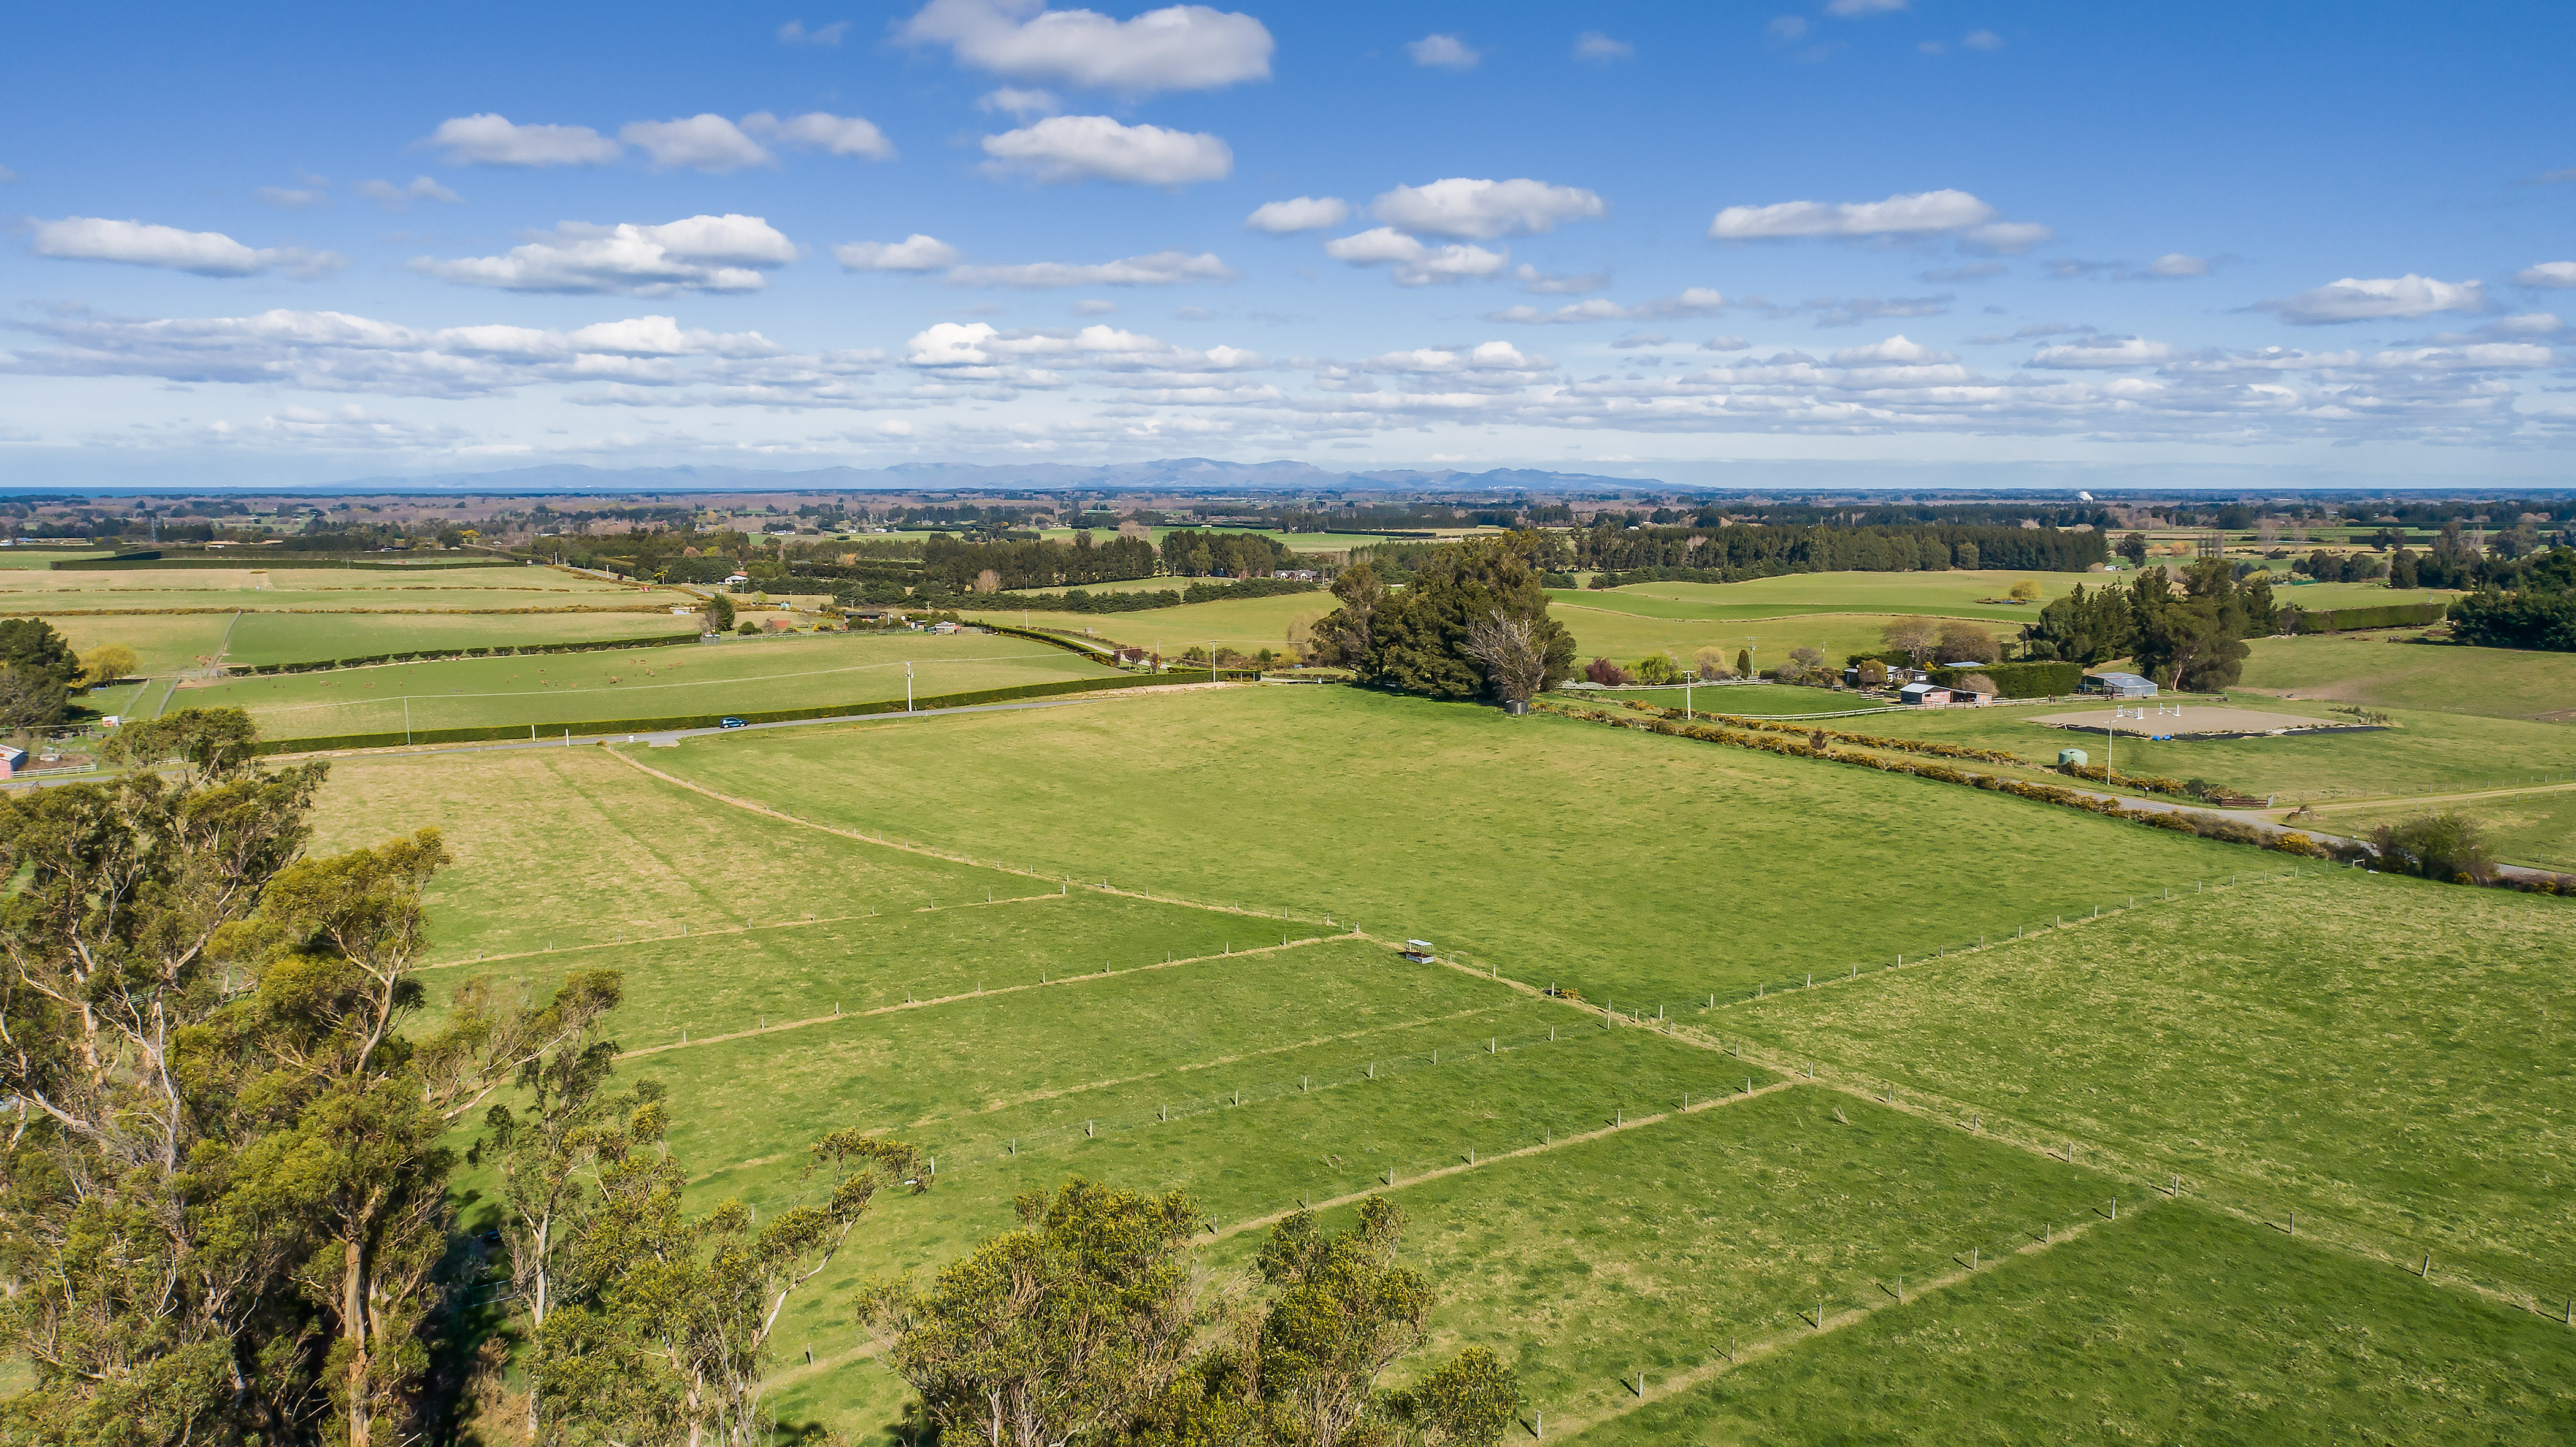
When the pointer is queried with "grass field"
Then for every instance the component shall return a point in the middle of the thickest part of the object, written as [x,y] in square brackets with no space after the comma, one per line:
[165,644]
[2379,1054]
[2388,670]
[748,674]
[2173,1325]
[1483,833]
[2424,752]
[2384,1055]
[2538,827]
[288,587]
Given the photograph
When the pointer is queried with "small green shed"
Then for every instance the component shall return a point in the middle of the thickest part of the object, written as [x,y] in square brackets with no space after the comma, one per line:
[2077,757]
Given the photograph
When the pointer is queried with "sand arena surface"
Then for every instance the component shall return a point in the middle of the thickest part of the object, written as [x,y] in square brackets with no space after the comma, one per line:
[2194,719]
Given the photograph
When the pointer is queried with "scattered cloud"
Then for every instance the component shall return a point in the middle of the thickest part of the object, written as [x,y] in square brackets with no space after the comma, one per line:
[1415,262]
[728,253]
[399,198]
[914,253]
[1302,213]
[338,352]
[1179,47]
[1853,310]
[2069,268]
[795,33]
[1018,103]
[1193,314]
[1600,49]
[1953,275]
[2354,299]
[1728,343]
[1162,268]
[703,142]
[1484,357]
[1443,52]
[1786,28]
[1983,40]
[2005,238]
[1540,283]
[1697,301]
[1898,350]
[1095,307]
[1477,210]
[492,140]
[2553,274]
[2174,266]
[1083,148]
[821,131]
[203,253]
[1634,340]
[2103,352]
[293,198]
[7,175]
[1921,213]
[1853,9]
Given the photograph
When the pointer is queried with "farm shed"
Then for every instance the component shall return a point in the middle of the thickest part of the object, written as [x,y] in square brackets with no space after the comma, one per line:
[2120,685]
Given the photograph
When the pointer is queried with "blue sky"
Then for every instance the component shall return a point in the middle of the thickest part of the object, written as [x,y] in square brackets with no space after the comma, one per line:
[1856,239]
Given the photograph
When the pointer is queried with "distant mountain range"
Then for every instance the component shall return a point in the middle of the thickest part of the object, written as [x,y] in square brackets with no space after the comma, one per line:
[1172,474]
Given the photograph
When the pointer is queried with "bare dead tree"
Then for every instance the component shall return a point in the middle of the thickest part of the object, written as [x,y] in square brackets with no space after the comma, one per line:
[1514,655]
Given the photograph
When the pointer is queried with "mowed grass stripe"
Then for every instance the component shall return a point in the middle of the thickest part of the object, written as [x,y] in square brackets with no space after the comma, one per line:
[2287,1049]
[569,847]
[2178,1325]
[717,983]
[1621,863]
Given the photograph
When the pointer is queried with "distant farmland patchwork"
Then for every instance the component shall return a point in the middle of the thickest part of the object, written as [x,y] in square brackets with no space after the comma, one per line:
[1164,990]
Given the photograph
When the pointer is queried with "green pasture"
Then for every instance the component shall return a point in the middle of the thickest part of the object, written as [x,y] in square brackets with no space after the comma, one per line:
[1614,861]
[17,559]
[325,588]
[2171,1325]
[715,984]
[2388,1057]
[2536,828]
[811,670]
[312,637]
[2395,670]
[164,644]
[2424,751]
[1624,637]
[1751,700]
[1246,625]
[566,846]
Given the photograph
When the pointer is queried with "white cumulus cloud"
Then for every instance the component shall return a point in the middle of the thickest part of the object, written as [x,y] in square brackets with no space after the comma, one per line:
[1162,268]
[1592,45]
[2006,238]
[488,139]
[1302,213]
[2547,273]
[1179,47]
[1022,104]
[1484,357]
[138,243]
[699,253]
[2355,299]
[1081,148]
[794,32]
[1920,213]
[703,142]
[820,131]
[399,198]
[2107,352]
[2175,266]
[1416,263]
[913,253]
[1849,9]
[1443,52]
[1898,350]
[1478,210]
[1697,301]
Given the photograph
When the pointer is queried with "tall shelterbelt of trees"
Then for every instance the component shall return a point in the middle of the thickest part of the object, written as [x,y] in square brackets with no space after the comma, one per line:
[2191,639]
[1035,564]
[1759,552]
[2538,611]
[1472,622]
